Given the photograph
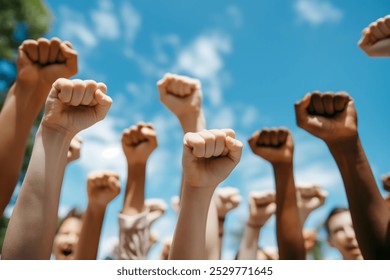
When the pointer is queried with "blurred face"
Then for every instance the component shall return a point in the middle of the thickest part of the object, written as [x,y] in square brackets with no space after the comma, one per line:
[342,236]
[66,239]
[310,238]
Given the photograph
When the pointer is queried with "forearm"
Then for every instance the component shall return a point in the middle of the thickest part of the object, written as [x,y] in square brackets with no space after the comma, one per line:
[249,243]
[288,223]
[16,120]
[369,213]
[189,239]
[135,189]
[221,222]
[33,223]
[87,247]
[213,250]
[193,122]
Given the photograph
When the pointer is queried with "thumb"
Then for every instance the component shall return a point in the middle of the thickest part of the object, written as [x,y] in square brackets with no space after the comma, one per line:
[70,58]
[103,104]
[301,109]
[235,149]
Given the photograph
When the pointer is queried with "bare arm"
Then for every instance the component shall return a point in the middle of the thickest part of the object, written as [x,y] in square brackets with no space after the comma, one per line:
[208,158]
[262,206]
[276,146]
[338,128]
[37,206]
[375,41]
[25,100]
[103,187]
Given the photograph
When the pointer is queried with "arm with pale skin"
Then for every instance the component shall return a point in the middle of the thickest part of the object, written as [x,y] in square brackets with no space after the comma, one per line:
[39,64]
[74,149]
[209,157]
[375,41]
[262,205]
[70,107]
[183,97]
[333,118]
[309,198]
[102,188]
[277,147]
[226,199]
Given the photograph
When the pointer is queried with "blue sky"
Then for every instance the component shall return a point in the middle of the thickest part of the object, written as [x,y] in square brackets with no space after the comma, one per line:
[254,58]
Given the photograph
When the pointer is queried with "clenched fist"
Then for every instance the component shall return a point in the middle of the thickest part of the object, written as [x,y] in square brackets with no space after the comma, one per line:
[262,205]
[309,198]
[274,145]
[156,208]
[375,39]
[226,199]
[73,105]
[74,149]
[43,61]
[180,94]
[102,187]
[139,142]
[209,156]
[175,203]
[330,117]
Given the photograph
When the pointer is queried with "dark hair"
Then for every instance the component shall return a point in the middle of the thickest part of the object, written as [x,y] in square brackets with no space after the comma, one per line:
[335,211]
[73,213]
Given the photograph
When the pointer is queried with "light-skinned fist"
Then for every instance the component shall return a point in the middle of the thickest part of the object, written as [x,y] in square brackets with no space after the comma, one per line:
[73,105]
[156,208]
[375,41]
[74,149]
[209,156]
[102,187]
[175,204]
[262,205]
[43,61]
[330,116]
[226,199]
[274,145]
[309,198]
[138,142]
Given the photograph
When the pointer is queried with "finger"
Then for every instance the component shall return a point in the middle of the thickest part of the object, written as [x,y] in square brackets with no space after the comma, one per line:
[102,87]
[327,101]
[78,92]
[149,134]
[103,104]
[164,82]
[282,135]
[209,139]
[64,88]
[265,137]
[229,132]
[273,136]
[54,50]
[301,109]
[90,88]
[126,137]
[30,47]
[133,136]
[43,50]
[70,56]
[340,102]
[219,141]
[196,143]
[253,140]
[376,32]
[317,104]
[384,28]
[235,149]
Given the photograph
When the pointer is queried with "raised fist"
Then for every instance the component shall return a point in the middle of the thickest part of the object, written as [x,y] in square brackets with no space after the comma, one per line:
[309,198]
[74,149]
[386,182]
[139,142]
[156,208]
[102,187]
[45,61]
[74,105]
[274,145]
[375,39]
[209,156]
[262,205]
[226,199]
[166,248]
[330,117]
[180,94]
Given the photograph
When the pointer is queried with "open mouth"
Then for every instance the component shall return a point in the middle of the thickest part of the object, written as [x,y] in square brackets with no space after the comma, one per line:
[67,252]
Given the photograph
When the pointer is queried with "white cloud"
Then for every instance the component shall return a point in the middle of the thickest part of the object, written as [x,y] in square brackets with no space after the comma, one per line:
[106,24]
[236,16]
[220,118]
[131,20]
[316,12]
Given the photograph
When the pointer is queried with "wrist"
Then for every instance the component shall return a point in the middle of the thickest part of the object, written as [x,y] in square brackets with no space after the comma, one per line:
[341,145]
[254,225]
[49,132]
[192,121]
[96,207]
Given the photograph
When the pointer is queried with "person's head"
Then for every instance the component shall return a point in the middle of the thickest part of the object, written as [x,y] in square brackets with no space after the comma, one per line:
[310,239]
[67,236]
[341,234]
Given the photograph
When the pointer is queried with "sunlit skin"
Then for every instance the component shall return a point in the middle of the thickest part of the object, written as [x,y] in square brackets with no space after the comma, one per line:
[342,236]
[66,239]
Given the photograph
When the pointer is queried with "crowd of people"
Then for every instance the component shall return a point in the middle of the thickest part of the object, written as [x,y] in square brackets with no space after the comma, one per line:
[209,156]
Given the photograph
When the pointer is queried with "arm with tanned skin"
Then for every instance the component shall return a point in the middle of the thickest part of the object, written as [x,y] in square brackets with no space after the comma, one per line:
[102,188]
[276,146]
[333,118]
[37,205]
[208,158]
[39,64]
[183,97]
[262,206]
